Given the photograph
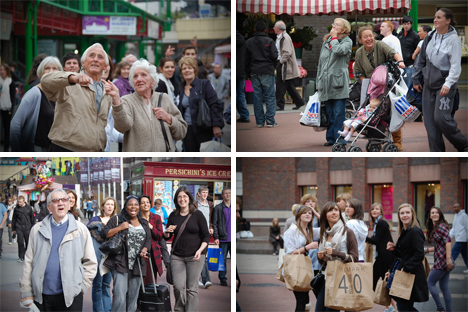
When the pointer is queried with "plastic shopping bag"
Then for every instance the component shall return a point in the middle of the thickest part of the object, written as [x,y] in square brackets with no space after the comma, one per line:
[408,112]
[311,115]
[215,259]
[214,146]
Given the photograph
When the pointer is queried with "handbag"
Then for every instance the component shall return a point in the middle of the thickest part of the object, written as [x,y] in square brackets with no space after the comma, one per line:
[427,267]
[381,295]
[166,140]
[114,245]
[215,259]
[169,277]
[204,114]
[317,282]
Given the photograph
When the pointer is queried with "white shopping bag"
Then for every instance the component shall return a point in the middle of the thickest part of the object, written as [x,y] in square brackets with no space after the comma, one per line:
[214,146]
[400,105]
[311,115]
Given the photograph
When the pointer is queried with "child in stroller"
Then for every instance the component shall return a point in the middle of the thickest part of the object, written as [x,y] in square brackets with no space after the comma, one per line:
[351,124]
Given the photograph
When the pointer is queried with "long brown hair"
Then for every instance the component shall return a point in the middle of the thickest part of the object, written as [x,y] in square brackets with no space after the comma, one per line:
[414,222]
[372,220]
[324,225]
[118,68]
[310,235]
[186,190]
[116,206]
[431,227]
[73,210]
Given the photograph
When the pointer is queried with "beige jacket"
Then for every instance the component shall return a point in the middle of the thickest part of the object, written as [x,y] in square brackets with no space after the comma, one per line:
[141,129]
[77,125]
[288,57]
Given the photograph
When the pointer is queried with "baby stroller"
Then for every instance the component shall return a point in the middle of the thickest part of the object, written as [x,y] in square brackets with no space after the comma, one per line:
[375,128]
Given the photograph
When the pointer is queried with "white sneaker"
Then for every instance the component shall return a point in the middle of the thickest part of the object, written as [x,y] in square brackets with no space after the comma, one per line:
[466,271]
[200,283]
[208,284]
[9,243]
[391,309]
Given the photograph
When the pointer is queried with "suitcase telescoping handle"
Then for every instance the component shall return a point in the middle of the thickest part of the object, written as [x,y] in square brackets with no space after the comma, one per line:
[152,273]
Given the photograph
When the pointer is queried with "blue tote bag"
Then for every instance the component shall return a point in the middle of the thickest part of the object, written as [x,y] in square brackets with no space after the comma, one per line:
[215,259]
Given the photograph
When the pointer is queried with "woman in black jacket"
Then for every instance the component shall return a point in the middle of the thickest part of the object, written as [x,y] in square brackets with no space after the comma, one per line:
[275,236]
[124,267]
[409,251]
[189,98]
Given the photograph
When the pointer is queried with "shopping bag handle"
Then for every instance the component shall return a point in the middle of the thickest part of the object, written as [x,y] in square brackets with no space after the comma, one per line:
[220,139]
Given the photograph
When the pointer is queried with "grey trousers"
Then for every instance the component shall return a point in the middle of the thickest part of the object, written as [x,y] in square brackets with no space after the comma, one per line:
[185,273]
[125,291]
[438,120]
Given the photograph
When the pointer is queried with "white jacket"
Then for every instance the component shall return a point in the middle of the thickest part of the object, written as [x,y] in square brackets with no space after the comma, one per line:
[360,230]
[293,238]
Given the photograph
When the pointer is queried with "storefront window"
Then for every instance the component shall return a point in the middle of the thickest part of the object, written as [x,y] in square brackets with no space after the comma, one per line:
[383,194]
[340,189]
[136,187]
[312,190]
[427,195]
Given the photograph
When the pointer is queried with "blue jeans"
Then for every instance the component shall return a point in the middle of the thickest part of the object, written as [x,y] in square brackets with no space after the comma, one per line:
[264,85]
[125,291]
[336,110]
[443,278]
[409,76]
[241,104]
[320,305]
[101,292]
[226,247]
[460,247]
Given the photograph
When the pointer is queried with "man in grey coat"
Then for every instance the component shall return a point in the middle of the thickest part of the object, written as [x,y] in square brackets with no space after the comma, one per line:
[220,83]
[287,68]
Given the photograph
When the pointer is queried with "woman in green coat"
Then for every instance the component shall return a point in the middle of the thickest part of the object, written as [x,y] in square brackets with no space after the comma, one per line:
[333,76]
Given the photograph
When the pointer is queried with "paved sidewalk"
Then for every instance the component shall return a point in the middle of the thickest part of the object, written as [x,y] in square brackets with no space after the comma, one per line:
[261,291]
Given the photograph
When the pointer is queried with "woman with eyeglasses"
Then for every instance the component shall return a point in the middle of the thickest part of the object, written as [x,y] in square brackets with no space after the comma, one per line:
[123,266]
[188,251]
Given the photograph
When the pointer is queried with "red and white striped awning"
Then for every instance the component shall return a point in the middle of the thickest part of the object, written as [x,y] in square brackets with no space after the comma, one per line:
[320,7]
[391,19]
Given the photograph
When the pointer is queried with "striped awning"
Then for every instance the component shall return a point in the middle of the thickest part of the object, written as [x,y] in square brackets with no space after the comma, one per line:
[391,19]
[320,7]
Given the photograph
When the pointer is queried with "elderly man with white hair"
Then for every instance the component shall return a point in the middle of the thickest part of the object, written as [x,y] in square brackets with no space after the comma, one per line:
[60,262]
[287,68]
[82,106]
[149,120]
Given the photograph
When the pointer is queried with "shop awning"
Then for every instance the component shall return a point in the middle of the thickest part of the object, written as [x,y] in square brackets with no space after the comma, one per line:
[223,49]
[320,7]
[390,19]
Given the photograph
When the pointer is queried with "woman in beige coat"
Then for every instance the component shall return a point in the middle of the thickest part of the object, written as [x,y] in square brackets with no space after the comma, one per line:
[138,116]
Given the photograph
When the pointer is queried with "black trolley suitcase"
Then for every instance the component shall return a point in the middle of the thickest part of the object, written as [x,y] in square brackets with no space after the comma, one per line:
[153,297]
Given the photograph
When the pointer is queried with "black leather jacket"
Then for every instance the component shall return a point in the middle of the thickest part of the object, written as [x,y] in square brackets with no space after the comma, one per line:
[219,222]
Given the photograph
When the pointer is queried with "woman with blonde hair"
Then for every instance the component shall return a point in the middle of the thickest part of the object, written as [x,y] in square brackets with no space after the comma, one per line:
[333,75]
[275,236]
[299,239]
[101,284]
[342,201]
[409,251]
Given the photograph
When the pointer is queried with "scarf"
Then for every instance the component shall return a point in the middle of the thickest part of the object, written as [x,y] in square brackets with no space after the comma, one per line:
[170,87]
[126,84]
[336,232]
[5,101]
[375,224]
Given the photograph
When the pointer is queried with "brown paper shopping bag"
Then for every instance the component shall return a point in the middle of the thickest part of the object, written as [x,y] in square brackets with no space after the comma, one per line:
[402,285]
[427,267]
[297,272]
[369,250]
[279,274]
[381,294]
[349,286]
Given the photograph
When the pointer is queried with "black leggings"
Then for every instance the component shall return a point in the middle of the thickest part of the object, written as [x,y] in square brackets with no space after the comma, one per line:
[6,121]
[275,243]
[302,299]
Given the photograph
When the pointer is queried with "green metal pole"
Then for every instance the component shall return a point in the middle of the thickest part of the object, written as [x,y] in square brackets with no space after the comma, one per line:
[28,37]
[414,14]
[141,48]
[167,25]
[35,29]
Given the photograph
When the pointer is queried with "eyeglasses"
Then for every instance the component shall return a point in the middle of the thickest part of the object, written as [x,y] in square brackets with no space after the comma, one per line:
[131,196]
[57,200]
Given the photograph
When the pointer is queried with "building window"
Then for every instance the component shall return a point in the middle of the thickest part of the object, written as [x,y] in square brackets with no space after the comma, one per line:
[383,194]
[427,195]
[340,189]
[312,190]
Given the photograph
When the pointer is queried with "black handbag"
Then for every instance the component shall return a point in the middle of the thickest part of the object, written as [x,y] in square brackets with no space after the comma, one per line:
[114,245]
[204,114]
[318,281]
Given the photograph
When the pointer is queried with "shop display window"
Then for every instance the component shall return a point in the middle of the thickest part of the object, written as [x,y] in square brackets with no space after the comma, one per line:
[340,189]
[427,195]
[383,194]
[312,190]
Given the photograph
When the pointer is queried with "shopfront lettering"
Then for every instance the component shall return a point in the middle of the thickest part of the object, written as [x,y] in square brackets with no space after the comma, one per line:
[198,172]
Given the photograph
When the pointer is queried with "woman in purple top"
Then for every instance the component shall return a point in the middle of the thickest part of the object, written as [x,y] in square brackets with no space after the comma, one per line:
[122,71]
[438,234]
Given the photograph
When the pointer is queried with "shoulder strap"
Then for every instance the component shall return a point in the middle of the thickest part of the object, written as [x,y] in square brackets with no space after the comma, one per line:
[182,228]
[166,140]
[201,89]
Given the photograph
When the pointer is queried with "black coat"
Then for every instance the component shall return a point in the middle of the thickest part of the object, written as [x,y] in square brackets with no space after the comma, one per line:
[219,222]
[240,56]
[408,43]
[261,55]
[23,218]
[410,249]
[211,99]
[162,88]
[385,258]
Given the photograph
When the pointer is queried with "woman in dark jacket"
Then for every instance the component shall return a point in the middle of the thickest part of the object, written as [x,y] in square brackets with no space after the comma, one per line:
[124,267]
[275,236]
[409,251]
[189,98]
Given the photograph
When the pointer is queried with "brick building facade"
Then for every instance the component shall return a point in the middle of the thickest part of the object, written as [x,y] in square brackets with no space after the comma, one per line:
[270,186]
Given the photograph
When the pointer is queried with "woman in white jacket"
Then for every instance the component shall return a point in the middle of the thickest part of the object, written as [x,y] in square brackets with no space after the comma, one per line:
[355,214]
[298,239]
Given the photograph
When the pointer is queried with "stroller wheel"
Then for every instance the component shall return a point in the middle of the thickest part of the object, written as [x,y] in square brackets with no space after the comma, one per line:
[391,148]
[348,114]
[338,147]
[354,149]
[372,147]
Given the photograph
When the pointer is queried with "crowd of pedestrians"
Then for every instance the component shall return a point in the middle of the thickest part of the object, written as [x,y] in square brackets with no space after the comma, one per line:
[335,237]
[83,103]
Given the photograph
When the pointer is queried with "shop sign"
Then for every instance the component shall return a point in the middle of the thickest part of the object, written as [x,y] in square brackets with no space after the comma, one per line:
[194,173]
[387,202]
[109,25]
